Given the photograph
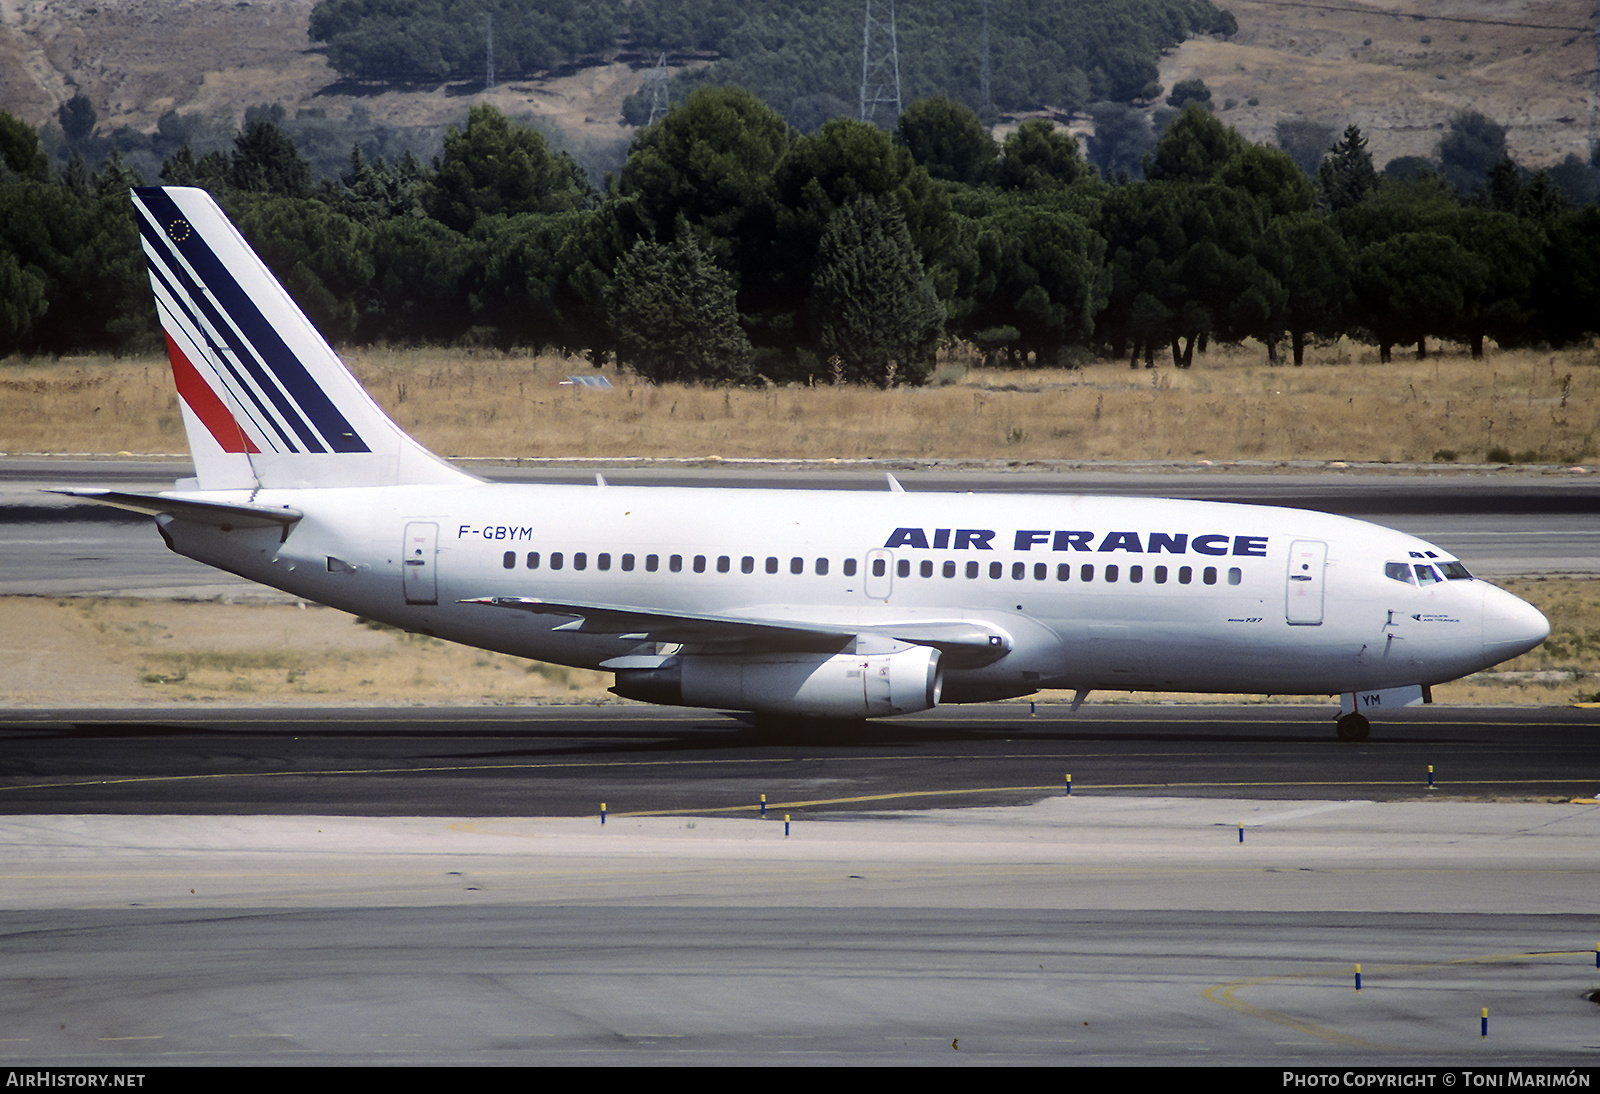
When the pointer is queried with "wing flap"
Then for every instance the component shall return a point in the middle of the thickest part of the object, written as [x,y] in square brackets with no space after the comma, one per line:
[648,625]
[968,641]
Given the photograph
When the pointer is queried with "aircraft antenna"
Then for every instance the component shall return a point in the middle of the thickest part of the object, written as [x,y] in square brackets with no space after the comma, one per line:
[880,66]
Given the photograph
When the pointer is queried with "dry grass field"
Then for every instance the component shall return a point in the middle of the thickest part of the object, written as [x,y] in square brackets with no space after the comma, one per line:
[1538,407]
[146,651]
[133,651]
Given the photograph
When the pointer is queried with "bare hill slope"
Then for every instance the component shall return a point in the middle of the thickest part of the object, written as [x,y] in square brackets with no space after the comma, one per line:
[1401,68]
[1398,69]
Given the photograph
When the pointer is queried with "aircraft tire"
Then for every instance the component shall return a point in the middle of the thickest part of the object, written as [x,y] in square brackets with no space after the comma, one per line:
[1352,727]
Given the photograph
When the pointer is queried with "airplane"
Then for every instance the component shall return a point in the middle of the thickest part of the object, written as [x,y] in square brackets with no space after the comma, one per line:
[815,604]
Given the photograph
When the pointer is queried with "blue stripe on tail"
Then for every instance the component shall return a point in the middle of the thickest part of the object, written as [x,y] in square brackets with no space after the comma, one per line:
[312,415]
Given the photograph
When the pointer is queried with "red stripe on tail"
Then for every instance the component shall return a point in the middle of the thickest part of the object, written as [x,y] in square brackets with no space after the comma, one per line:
[205,404]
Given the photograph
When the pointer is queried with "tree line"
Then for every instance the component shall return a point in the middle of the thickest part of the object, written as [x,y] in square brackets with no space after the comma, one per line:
[800,56]
[730,247]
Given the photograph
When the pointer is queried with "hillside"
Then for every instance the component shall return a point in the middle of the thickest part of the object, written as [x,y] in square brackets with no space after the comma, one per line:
[137,59]
[1399,70]
[1400,76]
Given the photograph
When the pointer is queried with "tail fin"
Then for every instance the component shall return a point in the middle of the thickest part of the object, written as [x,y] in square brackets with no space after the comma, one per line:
[266,402]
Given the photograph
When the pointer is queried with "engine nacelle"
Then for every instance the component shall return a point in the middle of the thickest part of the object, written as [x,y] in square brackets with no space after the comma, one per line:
[812,685]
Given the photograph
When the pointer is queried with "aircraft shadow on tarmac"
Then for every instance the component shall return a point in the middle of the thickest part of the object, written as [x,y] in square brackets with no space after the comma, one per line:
[729,731]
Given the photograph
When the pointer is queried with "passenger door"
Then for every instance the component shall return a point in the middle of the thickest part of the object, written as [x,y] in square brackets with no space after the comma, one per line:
[419,561]
[1308,559]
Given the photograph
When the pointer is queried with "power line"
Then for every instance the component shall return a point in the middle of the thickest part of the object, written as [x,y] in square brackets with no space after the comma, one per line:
[988,100]
[488,53]
[880,66]
[656,81]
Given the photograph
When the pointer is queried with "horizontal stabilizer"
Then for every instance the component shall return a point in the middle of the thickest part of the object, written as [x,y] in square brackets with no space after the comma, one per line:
[224,515]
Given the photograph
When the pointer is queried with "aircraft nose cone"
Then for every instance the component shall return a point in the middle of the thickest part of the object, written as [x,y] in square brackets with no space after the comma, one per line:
[1511,626]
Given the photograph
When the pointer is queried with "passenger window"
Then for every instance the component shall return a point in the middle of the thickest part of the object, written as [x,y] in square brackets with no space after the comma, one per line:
[580,561]
[1161,575]
[949,569]
[972,570]
[602,562]
[1425,575]
[878,567]
[556,560]
[1086,573]
[1185,575]
[1111,573]
[1210,575]
[652,563]
[510,561]
[627,562]
[822,567]
[1235,575]
[1041,571]
[772,565]
[903,567]
[996,569]
[675,563]
[849,567]
[1019,570]
[747,565]
[723,564]
[533,560]
[1399,571]
[699,564]
[1136,574]
[927,567]
[797,565]
[1064,571]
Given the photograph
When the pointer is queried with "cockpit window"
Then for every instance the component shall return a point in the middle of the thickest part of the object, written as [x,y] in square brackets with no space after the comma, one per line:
[1455,571]
[1425,575]
[1399,571]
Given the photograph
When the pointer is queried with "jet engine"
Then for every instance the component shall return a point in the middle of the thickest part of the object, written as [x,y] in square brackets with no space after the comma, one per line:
[813,685]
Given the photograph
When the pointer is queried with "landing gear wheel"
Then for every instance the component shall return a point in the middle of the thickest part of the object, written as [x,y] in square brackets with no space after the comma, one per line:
[1352,727]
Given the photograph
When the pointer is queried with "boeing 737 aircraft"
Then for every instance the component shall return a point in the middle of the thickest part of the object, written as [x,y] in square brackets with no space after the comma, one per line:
[826,604]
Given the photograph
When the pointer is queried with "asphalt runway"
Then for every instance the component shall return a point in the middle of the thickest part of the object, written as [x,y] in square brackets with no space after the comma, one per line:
[565,762]
[1077,931]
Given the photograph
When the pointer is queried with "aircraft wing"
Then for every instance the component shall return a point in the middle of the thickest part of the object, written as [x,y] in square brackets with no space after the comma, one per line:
[968,641]
[222,514]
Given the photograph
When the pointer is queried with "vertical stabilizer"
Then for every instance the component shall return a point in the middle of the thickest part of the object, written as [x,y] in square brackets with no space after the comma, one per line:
[266,402]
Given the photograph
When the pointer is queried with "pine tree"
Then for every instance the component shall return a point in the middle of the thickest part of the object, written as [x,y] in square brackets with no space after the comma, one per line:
[875,307]
[265,161]
[674,318]
[1347,176]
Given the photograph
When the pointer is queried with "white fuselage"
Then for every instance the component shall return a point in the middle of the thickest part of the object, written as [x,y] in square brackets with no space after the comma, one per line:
[1091,592]
[808,603]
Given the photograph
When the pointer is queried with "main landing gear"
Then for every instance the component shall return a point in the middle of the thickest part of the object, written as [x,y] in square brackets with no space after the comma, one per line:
[1352,727]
